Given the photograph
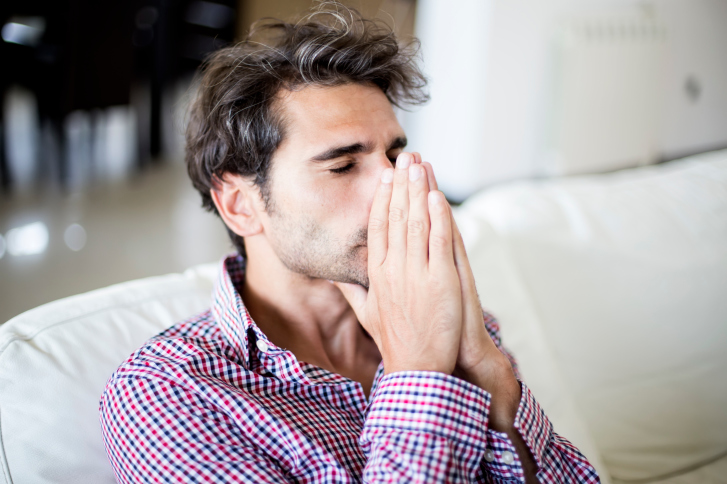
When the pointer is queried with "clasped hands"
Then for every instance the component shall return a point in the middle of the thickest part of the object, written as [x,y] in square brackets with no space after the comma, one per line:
[422,308]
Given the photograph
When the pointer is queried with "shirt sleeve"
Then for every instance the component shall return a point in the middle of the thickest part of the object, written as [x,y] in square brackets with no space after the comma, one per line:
[426,427]
[155,432]
[423,427]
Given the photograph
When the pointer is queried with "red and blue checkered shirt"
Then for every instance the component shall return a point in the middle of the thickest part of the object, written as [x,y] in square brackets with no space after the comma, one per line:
[212,399]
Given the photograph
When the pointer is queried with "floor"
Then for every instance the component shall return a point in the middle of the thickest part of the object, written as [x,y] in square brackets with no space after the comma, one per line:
[150,225]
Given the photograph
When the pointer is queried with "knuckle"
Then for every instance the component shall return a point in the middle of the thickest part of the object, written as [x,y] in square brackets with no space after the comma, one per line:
[390,274]
[397,215]
[438,242]
[377,225]
[416,227]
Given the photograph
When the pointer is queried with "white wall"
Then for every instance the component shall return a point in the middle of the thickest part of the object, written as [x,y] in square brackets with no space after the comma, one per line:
[699,40]
[490,64]
[448,131]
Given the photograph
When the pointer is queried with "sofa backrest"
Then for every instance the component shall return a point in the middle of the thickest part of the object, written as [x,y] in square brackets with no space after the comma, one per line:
[55,361]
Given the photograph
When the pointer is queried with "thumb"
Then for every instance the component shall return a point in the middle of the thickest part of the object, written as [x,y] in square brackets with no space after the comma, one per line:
[356,297]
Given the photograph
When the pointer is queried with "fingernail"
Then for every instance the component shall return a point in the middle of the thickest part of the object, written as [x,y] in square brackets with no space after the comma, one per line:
[434,197]
[403,161]
[387,175]
[415,172]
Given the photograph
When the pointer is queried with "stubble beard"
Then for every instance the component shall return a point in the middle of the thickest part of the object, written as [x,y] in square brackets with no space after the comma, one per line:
[307,248]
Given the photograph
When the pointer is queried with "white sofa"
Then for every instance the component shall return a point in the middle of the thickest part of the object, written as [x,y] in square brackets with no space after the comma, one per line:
[611,291]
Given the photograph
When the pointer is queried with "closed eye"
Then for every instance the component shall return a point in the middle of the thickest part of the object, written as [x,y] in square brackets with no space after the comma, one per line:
[346,168]
[342,169]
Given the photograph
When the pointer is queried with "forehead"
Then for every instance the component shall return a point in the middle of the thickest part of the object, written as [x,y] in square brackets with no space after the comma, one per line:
[316,116]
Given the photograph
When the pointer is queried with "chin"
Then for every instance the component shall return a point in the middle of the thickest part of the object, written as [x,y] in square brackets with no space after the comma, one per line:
[355,271]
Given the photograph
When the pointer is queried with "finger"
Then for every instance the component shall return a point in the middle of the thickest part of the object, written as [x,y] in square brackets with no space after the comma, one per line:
[440,234]
[417,243]
[399,208]
[378,231]
[461,261]
[417,157]
[356,297]
[430,175]
[473,328]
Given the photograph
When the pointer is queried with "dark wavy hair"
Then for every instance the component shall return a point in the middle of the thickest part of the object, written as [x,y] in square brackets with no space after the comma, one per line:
[233,124]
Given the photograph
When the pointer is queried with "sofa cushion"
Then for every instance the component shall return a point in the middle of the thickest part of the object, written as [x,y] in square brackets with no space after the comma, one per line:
[55,361]
[709,472]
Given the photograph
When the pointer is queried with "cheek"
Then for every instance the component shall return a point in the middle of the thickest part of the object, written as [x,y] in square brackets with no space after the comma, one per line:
[342,203]
[346,204]
[296,193]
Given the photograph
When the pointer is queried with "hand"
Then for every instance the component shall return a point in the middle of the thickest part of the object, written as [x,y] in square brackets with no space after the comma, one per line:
[479,361]
[461,340]
[413,308]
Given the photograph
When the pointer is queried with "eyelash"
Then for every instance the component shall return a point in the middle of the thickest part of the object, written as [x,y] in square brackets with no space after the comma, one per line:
[347,168]
[342,169]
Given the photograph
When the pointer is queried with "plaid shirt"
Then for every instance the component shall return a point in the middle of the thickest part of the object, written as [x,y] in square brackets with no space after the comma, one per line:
[212,399]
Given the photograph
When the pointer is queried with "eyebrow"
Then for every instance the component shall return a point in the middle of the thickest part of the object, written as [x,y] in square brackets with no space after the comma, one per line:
[338,151]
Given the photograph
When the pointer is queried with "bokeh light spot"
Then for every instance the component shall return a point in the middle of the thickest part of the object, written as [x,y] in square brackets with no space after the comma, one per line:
[75,237]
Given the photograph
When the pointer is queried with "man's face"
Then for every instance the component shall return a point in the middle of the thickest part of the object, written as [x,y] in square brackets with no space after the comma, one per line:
[322,179]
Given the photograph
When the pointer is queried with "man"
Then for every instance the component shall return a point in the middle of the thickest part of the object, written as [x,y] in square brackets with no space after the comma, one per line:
[346,341]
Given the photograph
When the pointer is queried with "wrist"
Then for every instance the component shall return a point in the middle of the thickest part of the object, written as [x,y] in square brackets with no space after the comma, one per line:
[492,374]
[495,376]
[429,364]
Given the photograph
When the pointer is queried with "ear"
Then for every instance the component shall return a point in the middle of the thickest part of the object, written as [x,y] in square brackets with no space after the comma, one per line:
[238,202]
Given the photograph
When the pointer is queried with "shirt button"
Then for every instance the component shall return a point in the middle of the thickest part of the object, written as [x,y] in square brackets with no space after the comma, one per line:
[507,457]
[262,346]
[489,455]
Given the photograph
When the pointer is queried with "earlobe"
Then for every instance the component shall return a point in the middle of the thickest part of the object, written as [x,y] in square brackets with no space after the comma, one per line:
[234,199]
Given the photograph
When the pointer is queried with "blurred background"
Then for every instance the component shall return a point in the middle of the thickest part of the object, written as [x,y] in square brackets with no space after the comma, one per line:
[92,184]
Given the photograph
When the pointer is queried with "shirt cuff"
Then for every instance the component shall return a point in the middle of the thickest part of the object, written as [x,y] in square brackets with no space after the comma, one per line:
[433,403]
[501,460]
[532,424]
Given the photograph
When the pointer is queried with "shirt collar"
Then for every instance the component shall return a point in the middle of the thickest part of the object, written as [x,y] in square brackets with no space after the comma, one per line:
[252,347]
[228,309]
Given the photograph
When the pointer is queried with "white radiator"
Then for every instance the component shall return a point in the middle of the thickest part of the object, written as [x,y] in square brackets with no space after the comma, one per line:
[608,95]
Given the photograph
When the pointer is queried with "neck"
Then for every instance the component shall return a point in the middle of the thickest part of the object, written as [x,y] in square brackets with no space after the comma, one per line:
[307,316]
